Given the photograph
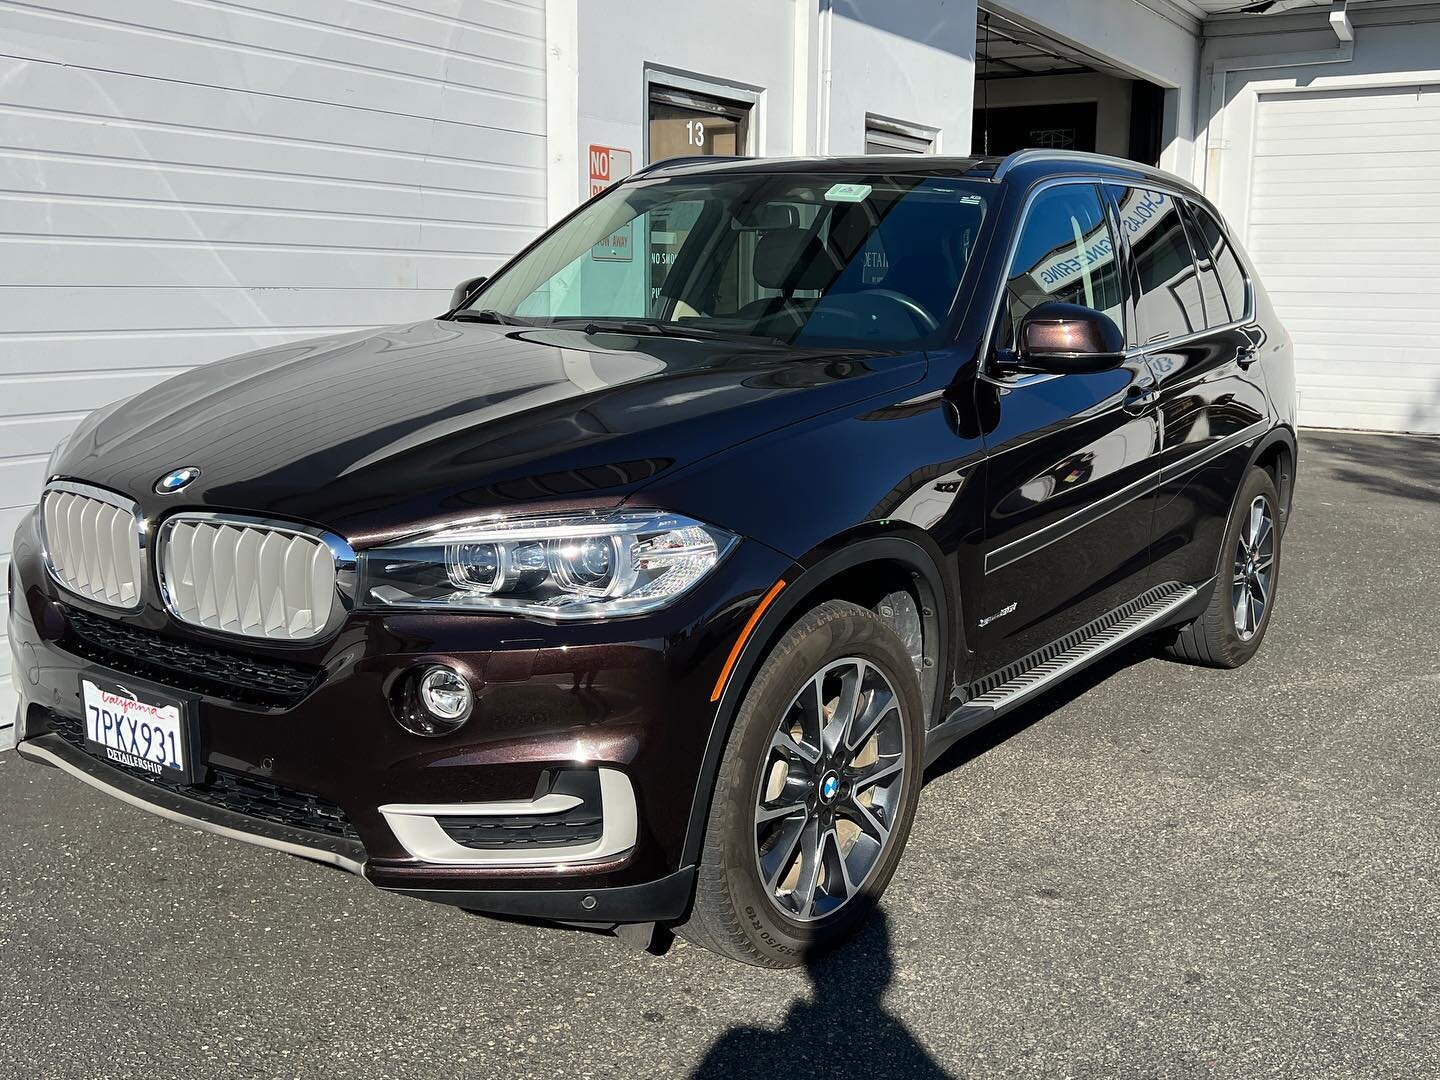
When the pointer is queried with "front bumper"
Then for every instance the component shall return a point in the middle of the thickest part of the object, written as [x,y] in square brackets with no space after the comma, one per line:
[331,776]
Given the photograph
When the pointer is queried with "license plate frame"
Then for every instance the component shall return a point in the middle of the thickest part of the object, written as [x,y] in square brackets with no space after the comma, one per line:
[170,717]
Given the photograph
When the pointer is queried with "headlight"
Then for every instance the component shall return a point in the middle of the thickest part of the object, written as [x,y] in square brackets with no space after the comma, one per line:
[578,566]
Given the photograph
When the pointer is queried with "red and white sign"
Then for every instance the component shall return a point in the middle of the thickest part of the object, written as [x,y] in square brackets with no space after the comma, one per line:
[607,165]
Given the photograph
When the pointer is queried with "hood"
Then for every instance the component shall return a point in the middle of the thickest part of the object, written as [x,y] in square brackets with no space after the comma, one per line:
[382,433]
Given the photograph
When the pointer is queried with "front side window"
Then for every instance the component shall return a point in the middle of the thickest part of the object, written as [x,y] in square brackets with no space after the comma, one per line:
[806,259]
[1066,252]
[1169,303]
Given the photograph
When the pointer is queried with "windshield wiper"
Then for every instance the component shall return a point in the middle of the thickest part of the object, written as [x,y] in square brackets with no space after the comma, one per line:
[486,315]
[661,328]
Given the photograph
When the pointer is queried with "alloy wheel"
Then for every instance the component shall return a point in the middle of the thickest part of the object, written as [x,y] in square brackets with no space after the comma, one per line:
[830,789]
[1254,577]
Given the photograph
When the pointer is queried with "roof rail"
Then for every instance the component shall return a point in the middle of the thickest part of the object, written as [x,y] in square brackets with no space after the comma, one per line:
[686,159]
[1025,157]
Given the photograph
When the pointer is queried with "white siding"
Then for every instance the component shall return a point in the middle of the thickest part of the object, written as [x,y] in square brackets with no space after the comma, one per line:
[182,180]
[1344,228]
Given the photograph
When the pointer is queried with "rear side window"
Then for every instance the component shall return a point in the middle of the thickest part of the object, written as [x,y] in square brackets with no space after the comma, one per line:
[1169,304]
[1213,244]
[1066,252]
[1217,311]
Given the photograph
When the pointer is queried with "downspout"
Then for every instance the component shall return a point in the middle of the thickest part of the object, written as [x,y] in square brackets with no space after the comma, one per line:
[827,20]
[1214,106]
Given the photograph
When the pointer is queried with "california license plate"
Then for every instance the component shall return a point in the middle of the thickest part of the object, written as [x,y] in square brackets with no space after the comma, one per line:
[136,730]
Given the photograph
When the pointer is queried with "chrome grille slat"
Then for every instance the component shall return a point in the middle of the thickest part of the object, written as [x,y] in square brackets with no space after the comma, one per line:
[93,543]
[247,577]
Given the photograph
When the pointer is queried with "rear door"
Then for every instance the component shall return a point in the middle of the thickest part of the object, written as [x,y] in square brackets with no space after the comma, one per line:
[1068,495]
[1194,315]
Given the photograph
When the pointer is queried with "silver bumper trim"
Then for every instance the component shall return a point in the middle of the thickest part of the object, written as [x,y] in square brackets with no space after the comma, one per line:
[41,754]
[418,828]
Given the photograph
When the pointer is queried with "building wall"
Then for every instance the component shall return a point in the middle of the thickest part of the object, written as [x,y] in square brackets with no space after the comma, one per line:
[1111,96]
[814,69]
[1325,157]
[913,62]
[1391,43]
[182,181]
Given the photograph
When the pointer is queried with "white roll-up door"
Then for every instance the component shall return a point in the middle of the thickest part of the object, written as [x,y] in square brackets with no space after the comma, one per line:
[1344,228]
[183,180]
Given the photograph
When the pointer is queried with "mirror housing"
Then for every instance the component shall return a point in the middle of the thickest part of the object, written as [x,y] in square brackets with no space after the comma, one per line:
[1066,339]
[465,290]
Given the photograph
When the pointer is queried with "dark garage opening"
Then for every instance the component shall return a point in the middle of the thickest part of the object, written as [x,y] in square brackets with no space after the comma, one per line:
[1033,90]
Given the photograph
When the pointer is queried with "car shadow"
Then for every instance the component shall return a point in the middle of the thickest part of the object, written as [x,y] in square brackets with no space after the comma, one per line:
[842,1022]
[1402,466]
[996,732]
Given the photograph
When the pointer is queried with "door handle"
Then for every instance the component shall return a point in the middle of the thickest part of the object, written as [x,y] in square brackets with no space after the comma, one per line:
[1140,400]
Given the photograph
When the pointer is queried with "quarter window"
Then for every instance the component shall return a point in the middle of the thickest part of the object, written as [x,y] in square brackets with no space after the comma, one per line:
[1169,304]
[1222,256]
[1066,252]
[1217,311]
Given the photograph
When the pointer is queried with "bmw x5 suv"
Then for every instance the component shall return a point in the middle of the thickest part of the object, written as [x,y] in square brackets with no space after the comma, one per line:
[640,588]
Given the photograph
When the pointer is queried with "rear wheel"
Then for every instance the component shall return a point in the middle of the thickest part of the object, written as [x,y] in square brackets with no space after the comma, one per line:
[1230,631]
[816,791]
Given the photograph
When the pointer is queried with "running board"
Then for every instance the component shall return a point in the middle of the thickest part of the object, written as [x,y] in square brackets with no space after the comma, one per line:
[1161,604]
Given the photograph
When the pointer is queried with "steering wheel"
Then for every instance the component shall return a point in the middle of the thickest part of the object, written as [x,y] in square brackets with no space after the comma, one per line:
[921,314]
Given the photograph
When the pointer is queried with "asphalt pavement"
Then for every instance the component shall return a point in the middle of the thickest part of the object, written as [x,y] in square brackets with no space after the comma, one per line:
[1157,871]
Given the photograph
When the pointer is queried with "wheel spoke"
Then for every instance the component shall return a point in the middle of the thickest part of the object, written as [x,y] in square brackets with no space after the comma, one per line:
[781,857]
[1257,518]
[863,816]
[880,704]
[846,706]
[882,769]
[785,743]
[766,814]
[832,841]
[809,883]
[1262,536]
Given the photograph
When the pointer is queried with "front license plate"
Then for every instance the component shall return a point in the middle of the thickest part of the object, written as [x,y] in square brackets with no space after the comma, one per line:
[138,731]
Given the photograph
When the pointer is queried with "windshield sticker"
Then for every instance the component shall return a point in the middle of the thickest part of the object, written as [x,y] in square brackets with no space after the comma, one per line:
[848,193]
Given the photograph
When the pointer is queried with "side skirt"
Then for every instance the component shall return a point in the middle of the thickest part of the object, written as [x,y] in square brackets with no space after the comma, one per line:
[1015,684]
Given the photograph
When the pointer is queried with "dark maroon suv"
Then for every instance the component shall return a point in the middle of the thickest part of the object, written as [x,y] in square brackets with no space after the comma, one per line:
[640,588]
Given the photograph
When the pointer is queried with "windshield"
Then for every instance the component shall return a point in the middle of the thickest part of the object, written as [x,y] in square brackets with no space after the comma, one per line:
[808,259]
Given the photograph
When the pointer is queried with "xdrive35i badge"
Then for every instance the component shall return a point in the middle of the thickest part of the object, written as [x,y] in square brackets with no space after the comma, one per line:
[175,481]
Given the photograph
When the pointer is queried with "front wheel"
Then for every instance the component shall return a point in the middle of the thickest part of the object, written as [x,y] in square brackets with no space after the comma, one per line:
[1230,631]
[816,791]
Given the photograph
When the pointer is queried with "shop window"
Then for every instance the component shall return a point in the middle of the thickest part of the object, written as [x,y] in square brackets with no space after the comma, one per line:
[684,123]
[892,137]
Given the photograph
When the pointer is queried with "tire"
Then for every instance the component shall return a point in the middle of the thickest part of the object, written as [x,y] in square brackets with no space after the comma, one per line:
[1215,638]
[765,770]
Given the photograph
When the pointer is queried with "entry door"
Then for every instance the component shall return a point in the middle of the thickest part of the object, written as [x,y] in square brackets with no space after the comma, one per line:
[1069,490]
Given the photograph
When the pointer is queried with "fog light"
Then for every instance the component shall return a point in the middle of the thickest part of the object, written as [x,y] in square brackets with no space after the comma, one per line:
[445,695]
[436,703]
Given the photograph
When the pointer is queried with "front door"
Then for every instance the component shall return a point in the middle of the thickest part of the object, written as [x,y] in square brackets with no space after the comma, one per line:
[1069,491]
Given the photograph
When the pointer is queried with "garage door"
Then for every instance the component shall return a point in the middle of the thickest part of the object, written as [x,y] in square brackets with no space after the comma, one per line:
[181,180]
[1344,228]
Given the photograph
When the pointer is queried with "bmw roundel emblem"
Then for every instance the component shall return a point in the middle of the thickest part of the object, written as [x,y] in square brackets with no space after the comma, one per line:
[829,787]
[175,481]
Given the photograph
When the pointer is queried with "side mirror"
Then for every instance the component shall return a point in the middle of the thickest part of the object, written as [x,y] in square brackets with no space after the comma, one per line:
[1067,339]
[465,290]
